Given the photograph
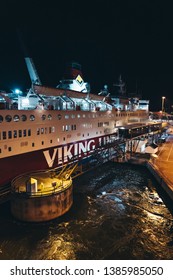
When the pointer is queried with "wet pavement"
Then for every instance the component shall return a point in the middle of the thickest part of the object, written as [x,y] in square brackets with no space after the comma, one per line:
[164,160]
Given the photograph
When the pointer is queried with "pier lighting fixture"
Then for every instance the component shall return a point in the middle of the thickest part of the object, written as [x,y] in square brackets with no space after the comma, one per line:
[163,103]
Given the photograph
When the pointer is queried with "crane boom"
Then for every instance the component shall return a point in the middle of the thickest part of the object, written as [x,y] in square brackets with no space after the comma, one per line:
[32,71]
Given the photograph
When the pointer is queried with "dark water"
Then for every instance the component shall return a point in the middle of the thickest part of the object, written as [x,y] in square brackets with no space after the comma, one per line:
[131,221]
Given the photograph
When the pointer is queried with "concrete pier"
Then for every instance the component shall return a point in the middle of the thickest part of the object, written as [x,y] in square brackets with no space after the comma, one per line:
[161,166]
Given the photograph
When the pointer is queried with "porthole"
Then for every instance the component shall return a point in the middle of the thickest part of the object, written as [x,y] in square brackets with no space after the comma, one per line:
[49,117]
[8,118]
[43,117]
[16,118]
[23,118]
[32,117]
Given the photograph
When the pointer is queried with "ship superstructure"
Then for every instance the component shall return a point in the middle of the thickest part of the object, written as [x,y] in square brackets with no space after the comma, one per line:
[49,127]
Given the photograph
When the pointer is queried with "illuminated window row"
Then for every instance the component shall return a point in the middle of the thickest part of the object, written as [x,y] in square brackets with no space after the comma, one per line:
[45,130]
[87,125]
[12,134]
[101,124]
[69,127]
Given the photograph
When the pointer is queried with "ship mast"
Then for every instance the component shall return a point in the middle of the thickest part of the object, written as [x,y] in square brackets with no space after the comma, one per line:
[121,87]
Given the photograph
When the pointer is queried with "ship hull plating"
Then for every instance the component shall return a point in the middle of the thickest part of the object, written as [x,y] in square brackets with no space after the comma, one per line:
[49,158]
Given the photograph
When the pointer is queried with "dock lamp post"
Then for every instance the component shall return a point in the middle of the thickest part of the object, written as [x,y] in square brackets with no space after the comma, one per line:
[163,103]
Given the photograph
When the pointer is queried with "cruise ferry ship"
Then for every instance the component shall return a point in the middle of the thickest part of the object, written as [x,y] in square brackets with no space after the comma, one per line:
[48,127]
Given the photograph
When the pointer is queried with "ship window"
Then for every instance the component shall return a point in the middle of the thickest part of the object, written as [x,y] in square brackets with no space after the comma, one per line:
[9,134]
[73,116]
[33,144]
[24,118]
[32,117]
[9,149]
[59,117]
[49,117]
[66,116]
[29,132]
[42,130]
[53,129]
[24,132]
[43,117]
[0,150]
[1,119]
[73,127]
[106,124]
[16,118]
[15,133]
[42,142]
[78,116]
[20,133]
[8,118]
[4,135]
[45,130]
[38,131]
[50,141]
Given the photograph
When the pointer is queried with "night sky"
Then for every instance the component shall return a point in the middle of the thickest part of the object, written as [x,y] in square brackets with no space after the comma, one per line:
[133,38]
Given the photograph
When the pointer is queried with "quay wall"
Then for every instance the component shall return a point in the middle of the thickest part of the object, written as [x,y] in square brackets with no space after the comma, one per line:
[161,179]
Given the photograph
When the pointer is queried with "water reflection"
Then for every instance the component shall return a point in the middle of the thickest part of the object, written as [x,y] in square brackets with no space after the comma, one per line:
[117,214]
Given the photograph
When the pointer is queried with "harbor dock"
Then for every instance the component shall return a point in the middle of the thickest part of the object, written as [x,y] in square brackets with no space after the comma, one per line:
[161,165]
